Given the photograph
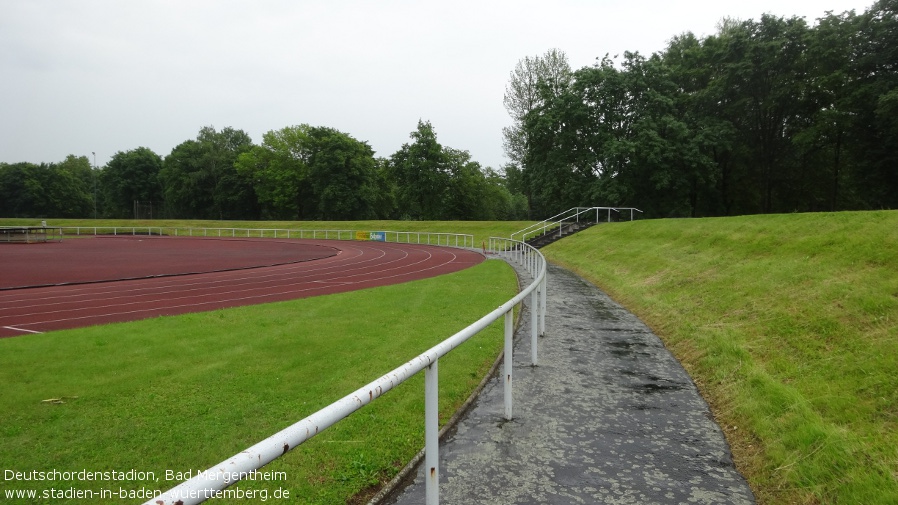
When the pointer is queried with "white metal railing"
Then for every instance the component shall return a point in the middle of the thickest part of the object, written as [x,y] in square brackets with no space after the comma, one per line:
[572,215]
[405,237]
[30,234]
[207,484]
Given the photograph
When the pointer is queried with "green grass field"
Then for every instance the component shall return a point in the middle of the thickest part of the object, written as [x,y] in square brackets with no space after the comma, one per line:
[789,326]
[183,393]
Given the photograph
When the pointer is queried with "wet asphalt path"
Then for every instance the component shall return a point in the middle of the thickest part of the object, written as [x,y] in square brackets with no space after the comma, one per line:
[608,416]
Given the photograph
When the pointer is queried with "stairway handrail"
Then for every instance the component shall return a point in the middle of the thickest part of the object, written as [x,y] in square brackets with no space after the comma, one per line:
[558,220]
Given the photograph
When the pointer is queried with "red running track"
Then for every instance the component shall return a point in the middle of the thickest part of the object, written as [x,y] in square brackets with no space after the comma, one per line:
[187,275]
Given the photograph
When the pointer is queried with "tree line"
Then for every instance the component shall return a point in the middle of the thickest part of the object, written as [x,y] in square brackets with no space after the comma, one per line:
[764,116]
[769,115]
[296,173]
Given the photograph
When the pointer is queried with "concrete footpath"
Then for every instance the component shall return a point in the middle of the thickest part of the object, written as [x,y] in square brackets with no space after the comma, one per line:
[608,416]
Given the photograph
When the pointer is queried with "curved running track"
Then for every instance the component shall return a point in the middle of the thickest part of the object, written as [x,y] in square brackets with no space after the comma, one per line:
[331,267]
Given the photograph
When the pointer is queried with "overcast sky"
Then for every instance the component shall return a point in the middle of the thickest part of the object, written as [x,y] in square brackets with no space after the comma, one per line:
[104,76]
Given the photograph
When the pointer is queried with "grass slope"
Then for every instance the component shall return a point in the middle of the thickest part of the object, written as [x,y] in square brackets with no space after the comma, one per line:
[183,393]
[789,326]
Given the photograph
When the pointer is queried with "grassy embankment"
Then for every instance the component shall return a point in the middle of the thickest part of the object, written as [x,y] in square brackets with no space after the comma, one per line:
[789,326]
[183,393]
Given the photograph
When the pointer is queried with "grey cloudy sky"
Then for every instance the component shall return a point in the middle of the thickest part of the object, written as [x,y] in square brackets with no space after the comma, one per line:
[104,76]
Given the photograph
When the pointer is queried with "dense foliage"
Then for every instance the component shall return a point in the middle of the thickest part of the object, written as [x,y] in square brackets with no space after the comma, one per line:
[764,116]
[64,189]
[775,115]
[297,173]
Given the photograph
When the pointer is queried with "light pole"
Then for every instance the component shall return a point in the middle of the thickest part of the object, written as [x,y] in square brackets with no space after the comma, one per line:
[95,183]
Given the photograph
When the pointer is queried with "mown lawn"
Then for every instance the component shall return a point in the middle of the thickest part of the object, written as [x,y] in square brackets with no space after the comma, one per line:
[179,394]
[789,326]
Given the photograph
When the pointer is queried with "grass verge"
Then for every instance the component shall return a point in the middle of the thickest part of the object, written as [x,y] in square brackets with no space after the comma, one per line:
[178,394]
[787,323]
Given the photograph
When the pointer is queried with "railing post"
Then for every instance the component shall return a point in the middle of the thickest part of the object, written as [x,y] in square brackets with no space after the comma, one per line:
[534,311]
[509,333]
[431,433]
[542,291]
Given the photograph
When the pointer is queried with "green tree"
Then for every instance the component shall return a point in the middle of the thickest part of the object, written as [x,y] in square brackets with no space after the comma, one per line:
[874,103]
[533,82]
[764,116]
[420,174]
[511,178]
[385,190]
[693,71]
[279,171]
[183,184]
[557,156]
[62,190]
[72,187]
[466,190]
[21,190]
[129,177]
[764,67]
[342,176]
[232,195]
[200,180]
[822,143]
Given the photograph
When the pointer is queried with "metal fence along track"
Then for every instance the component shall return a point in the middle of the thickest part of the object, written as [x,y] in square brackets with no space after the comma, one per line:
[208,484]
[401,237]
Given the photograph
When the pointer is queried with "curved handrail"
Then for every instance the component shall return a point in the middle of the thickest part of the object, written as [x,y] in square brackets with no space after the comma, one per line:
[210,483]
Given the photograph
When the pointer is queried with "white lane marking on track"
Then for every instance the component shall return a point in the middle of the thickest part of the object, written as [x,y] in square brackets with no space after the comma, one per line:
[331,262]
[162,286]
[285,287]
[23,330]
[258,298]
[282,289]
[280,276]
